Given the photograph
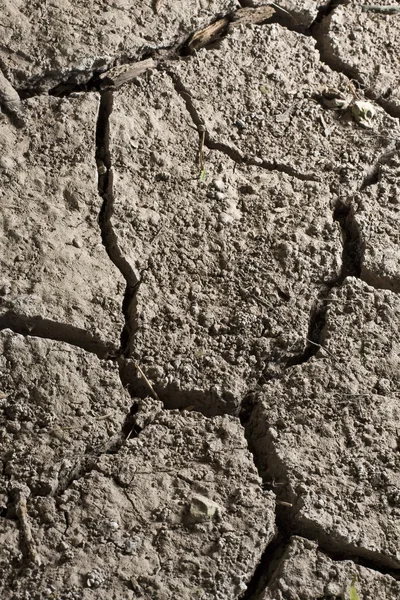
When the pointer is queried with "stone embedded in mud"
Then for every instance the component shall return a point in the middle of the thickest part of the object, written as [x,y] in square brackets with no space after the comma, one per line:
[272,80]
[202,508]
[364,113]
[48,195]
[334,453]
[356,41]
[376,217]
[228,279]
[156,550]
[306,573]
[45,44]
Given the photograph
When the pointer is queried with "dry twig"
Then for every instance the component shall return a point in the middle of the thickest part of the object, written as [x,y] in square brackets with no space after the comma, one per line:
[386,10]
[147,381]
[25,529]
[121,74]
[214,32]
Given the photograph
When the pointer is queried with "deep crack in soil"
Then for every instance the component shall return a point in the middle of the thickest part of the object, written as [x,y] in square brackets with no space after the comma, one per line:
[232,153]
[352,257]
[109,238]
[61,332]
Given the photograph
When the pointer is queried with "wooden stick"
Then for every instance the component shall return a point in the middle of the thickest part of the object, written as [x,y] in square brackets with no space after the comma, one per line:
[252,15]
[215,31]
[202,137]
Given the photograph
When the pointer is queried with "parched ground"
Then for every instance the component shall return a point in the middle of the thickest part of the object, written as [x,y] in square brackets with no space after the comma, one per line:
[199,300]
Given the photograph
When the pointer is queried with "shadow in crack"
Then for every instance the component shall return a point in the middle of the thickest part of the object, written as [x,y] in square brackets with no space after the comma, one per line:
[87,463]
[352,254]
[108,235]
[264,572]
[318,30]
[351,266]
[60,332]
[207,402]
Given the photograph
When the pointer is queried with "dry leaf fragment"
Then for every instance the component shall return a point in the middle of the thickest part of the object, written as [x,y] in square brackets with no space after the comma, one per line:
[8,95]
[215,31]
[364,113]
[10,102]
[252,15]
[117,76]
[203,37]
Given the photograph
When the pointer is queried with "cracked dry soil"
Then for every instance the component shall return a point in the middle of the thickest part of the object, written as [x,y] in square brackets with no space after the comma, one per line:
[199,300]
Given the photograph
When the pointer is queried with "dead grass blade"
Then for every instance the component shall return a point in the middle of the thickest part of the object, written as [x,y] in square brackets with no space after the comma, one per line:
[146,380]
[25,528]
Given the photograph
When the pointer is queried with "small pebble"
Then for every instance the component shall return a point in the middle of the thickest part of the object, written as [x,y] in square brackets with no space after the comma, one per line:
[333,589]
[219,185]
[131,546]
[94,579]
[63,546]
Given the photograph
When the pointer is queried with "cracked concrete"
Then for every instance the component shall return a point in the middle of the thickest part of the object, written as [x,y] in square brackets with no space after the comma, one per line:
[218,231]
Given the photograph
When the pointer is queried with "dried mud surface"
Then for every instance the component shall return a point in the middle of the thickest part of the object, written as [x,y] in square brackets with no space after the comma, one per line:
[55,273]
[44,44]
[213,312]
[199,300]
[362,39]
[306,572]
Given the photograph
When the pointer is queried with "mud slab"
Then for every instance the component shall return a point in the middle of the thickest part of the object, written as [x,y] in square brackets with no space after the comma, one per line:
[44,44]
[305,573]
[376,218]
[354,38]
[279,118]
[56,278]
[204,228]
[179,511]
[299,14]
[60,405]
[326,433]
[231,265]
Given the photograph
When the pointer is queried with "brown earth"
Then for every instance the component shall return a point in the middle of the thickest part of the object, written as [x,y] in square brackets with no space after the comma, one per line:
[199,310]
